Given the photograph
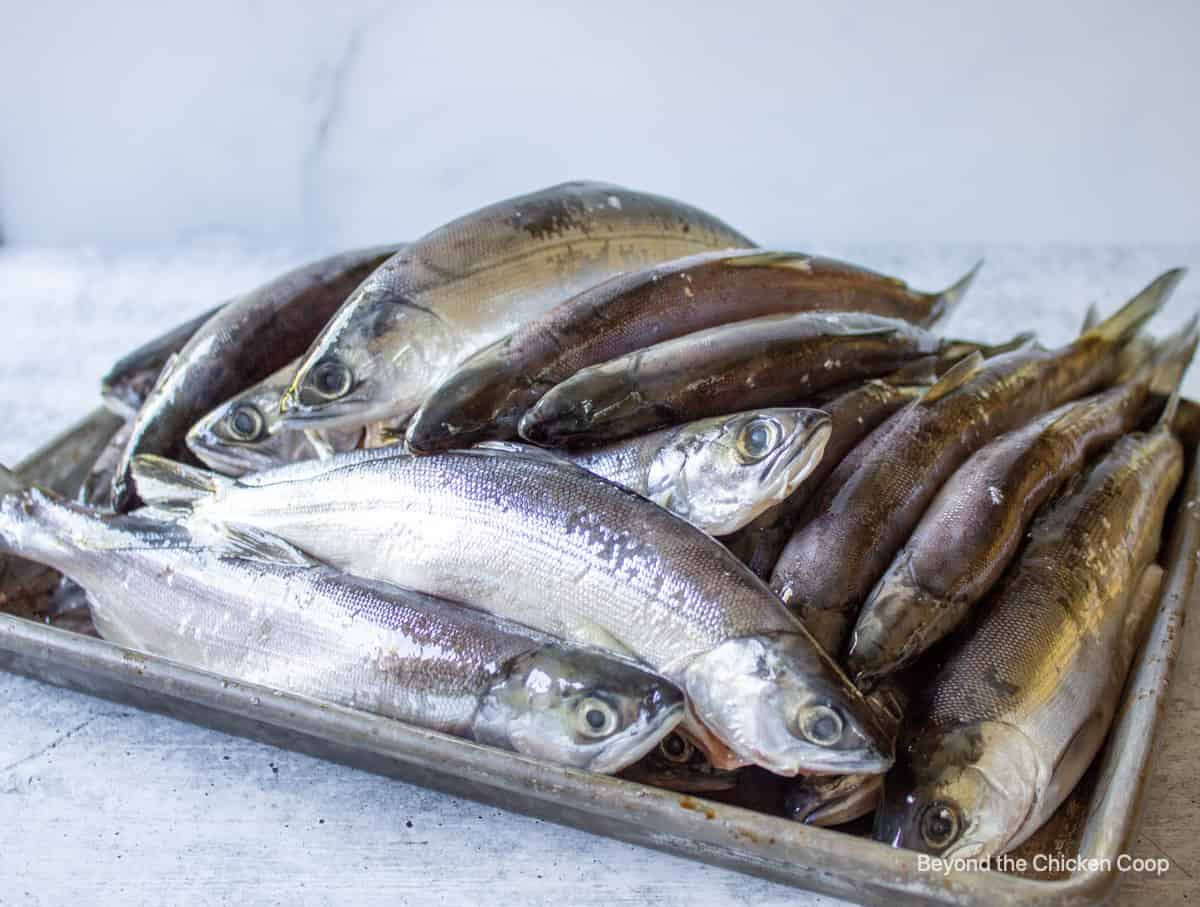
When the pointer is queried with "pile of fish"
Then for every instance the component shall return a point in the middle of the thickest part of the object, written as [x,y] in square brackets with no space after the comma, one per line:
[589,476]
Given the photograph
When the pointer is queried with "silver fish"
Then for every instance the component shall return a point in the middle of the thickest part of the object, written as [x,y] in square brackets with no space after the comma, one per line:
[477,279]
[247,433]
[718,473]
[1020,708]
[537,540]
[287,622]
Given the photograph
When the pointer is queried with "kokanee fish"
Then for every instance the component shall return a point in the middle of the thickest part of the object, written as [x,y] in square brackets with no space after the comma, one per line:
[972,529]
[777,360]
[1018,712]
[282,620]
[244,342]
[247,433]
[486,396]
[540,541]
[718,473]
[854,529]
[476,279]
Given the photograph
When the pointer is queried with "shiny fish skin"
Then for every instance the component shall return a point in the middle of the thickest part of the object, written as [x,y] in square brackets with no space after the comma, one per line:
[537,540]
[218,442]
[718,473]
[1011,722]
[125,388]
[247,340]
[776,360]
[486,396]
[302,627]
[476,279]
[859,522]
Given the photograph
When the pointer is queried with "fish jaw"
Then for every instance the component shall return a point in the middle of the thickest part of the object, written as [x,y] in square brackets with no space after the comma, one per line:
[832,800]
[778,701]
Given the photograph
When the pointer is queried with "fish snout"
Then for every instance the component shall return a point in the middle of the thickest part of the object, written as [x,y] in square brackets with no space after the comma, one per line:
[555,417]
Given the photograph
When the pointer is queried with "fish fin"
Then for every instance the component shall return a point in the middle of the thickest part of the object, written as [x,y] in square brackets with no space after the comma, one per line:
[948,300]
[796,261]
[159,481]
[955,377]
[1016,342]
[1128,320]
[1173,356]
[529,451]
[590,634]
[249,543]
[1091,318]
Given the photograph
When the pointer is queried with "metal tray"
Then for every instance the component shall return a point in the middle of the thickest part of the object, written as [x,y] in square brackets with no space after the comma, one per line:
[1096,823]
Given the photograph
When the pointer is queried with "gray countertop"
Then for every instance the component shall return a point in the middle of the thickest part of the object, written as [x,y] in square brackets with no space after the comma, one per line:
[104,802]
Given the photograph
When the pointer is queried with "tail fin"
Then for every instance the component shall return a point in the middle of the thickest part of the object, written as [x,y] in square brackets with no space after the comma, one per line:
[160,482]
[1172,361]
[1128,320]
[946,301]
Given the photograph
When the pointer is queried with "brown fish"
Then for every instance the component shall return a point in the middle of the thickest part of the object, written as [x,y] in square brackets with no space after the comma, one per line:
[242,344]
[485,397]
[973,528]
[857,526]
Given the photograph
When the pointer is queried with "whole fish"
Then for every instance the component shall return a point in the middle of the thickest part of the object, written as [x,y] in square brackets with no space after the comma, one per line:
[125,388]
[972,529]
[540,541]
[487,395]
[476,279]
[287,622]
[247,433]
[719,473]
[828,800]
[777,360]
[1016,715]
[854,528]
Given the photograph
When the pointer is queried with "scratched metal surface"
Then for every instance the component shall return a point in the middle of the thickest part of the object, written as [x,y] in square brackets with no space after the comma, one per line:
[131,802]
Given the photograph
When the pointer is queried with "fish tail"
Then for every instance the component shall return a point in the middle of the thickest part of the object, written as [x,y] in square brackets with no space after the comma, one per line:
[1124,324]
[1171,361]
[163,483]
[946,301]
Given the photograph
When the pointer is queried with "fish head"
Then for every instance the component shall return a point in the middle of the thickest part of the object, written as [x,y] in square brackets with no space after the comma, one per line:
[247,434]
[571,409]
[721,473]
[375,360]
[578,707]
[960,795]
[826,800]
[777,700]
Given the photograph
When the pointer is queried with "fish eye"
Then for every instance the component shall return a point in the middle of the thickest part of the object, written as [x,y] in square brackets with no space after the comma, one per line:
[332,379]
[820,724]
[245,422]
[595,718]
[675,749]
[939,824]
[758,438]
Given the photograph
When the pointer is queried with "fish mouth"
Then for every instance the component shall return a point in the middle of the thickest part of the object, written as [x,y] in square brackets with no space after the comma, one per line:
[331,413]
[805,456]
[637,742]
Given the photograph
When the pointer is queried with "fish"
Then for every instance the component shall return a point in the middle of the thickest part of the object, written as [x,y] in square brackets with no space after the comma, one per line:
[676,764]
[867,510]
[534,539]
[1010,723]
[717,473]
[127,384]
[247,340]
[279,618]
[247,434]
[486,396]
[971,531]
[476,279]
[775,360]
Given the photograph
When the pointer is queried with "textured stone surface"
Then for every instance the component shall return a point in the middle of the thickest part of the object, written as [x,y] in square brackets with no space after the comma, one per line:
[103,802]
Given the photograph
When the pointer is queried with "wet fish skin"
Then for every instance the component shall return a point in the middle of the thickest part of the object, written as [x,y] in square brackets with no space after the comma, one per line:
[857,524]
[1020,709]
[675,764]
[476,279]
[540,541]
[776,360]
[486,396]
[247,340]
[717,473]
[125,388]
[974,526]
[289,623]
[247,433]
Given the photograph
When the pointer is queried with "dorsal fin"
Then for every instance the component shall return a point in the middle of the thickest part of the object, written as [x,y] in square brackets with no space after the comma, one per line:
[1175,356]
[955,377]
